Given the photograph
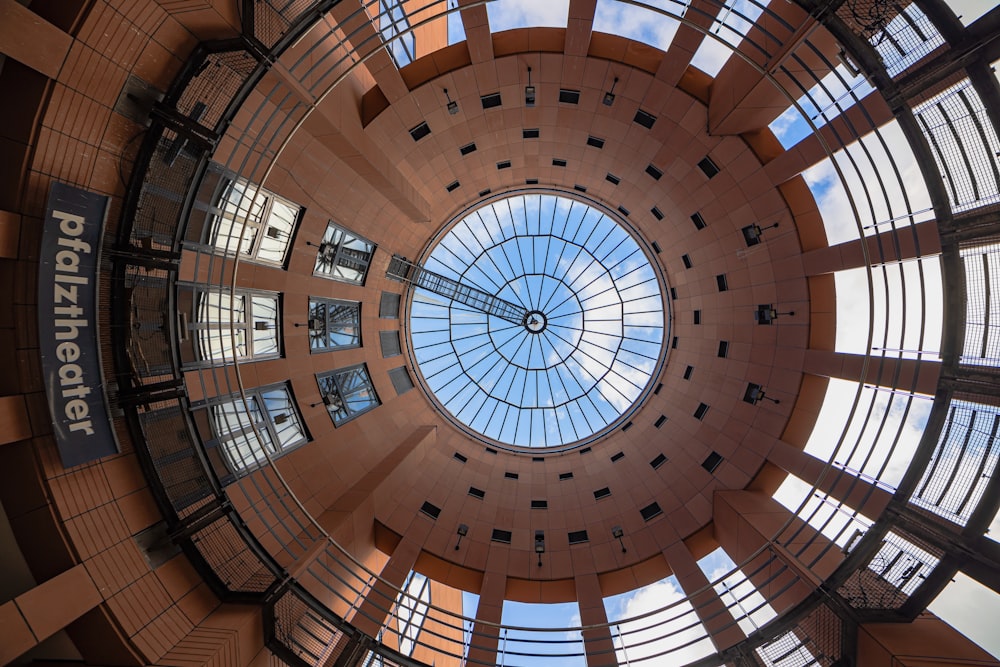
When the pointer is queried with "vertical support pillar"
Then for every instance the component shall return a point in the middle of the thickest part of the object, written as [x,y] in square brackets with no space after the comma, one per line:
[39,613]
[926,640]
[711,610]
[485,635]
[597,643]
[372,613]
[31,40]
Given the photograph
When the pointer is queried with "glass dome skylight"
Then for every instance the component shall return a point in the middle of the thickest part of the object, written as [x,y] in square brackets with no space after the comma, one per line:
[573,345]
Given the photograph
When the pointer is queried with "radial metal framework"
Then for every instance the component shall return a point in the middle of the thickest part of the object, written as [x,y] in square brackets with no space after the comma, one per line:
[585,341]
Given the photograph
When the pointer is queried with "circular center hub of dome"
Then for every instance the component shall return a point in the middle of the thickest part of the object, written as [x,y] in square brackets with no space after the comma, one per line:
[538,321]
[535,322]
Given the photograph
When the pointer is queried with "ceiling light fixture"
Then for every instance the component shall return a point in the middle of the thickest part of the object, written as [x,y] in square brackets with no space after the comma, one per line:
[539,545]
[766,313]
[463,530]
[452,104]
[609,97]
[529,92]
[752,233]
[618,533]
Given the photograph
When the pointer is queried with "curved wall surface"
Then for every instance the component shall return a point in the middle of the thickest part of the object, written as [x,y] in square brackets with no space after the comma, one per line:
[823,415]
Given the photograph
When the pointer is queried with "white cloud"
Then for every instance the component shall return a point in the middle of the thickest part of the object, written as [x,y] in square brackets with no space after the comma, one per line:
[663,621]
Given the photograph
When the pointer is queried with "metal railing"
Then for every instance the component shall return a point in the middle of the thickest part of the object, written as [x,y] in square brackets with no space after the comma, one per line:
[243,533]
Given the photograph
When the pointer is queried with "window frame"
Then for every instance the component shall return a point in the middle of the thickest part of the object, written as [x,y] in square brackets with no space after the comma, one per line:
[341,256]
[236,441]
[334,380]
[212,344]
[397,34]
[316,301]
[260,206]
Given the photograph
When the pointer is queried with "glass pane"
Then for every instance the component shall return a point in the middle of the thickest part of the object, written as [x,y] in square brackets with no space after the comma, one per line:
[283,415]
[278,233]
[265,325]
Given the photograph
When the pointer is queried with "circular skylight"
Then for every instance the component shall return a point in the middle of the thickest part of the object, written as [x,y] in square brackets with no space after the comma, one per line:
[538,321]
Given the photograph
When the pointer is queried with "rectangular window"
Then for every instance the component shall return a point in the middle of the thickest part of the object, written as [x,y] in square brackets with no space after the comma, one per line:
[219,326]
[267,422]
[347,393]
[343,255]
[251,221]
[333,324]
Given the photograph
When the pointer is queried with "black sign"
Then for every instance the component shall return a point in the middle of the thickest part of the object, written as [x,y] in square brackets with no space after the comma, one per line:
[67,324]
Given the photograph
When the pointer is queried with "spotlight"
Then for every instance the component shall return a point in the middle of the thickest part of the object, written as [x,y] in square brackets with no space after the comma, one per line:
[539,545]
[529,92]
[618,533]
[463,530]
[452,104]
[609,97]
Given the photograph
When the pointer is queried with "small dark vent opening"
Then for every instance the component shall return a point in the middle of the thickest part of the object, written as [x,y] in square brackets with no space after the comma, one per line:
[389,342]
[477,493]
[699,413]
[644,118]
[468,148]
[658,461]
[578,537]
[430,510]
[697,317]
[658,388]
[451,187]
[624,211]
[400,379]
[490,450]
[723,349]
[712,462]
[687,372]
[531,133]
[611,178]
[657,213]
[490,101]
[565,475]
[459,457]
[602,493]
[687,261]
[708,167]
[654,172]
[627,426]
[569,96]
[673,343]
[650,511]
[617,457]
[698,220]
[558,162]
[660,421]
[595,142]
[503,164]
[420,131]
[539,504]
[502,536]
[722,282]
[580,188]
[388,307]
[531,181]
[483,193]
[511,475]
